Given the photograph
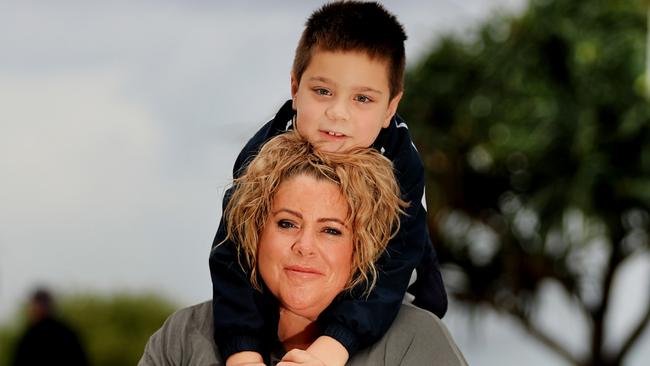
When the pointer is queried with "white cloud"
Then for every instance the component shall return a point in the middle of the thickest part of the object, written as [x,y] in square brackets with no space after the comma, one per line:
[64,135]
[77,162]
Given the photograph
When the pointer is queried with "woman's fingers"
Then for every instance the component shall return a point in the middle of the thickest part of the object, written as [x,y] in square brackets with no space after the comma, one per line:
[297,357]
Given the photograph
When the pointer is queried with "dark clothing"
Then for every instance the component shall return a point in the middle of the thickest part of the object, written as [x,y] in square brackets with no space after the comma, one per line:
[49,342]
[352,320]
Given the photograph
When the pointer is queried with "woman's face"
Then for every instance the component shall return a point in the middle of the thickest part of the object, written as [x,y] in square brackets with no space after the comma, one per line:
[305,249]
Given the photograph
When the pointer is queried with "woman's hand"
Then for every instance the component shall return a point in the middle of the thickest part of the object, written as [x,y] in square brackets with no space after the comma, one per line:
[297,357]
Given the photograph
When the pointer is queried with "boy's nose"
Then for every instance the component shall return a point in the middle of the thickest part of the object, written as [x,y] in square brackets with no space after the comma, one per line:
[338,111]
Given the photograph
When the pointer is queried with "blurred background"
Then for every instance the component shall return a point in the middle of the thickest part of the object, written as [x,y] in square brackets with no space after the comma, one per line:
[120,122]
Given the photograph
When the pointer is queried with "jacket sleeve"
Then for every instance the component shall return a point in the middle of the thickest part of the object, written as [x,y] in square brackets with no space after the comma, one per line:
[239,319]
[358,321]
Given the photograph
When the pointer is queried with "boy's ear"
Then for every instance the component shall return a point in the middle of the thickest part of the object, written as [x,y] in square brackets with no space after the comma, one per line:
[294,89]
[392,108]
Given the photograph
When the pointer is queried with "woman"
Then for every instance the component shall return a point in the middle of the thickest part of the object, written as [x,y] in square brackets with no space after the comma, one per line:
[310,226]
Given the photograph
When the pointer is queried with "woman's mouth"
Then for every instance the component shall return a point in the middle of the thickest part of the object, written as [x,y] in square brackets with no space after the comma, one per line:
[303,272]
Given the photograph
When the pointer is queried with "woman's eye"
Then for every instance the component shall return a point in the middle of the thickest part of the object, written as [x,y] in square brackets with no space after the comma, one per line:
[363,99]
[285,224]
[332,231]
[321,91]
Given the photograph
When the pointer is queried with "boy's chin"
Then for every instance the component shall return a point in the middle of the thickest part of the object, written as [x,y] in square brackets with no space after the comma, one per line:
[334,146]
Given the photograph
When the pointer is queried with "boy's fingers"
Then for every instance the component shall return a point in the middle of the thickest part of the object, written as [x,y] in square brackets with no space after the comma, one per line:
[299,357]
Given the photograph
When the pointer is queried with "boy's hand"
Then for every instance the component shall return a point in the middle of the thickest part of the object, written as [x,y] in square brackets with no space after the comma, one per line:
[297,357]
[246,358]
[329,351]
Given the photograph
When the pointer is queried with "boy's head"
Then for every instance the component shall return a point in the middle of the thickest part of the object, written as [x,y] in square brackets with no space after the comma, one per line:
[354,26]
[349,66]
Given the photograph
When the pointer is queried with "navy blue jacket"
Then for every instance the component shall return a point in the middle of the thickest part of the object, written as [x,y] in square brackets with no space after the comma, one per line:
[242,315]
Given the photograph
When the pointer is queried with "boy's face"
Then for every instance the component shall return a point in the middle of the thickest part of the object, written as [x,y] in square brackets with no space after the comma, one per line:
[342,100]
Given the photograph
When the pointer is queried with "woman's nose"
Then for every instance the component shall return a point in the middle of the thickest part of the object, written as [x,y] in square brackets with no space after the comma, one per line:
[338,110]
[304,244]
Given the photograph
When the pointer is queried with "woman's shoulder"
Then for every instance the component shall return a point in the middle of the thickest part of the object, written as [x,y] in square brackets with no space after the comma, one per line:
[417,320]
[192,321]
[184,339]
[416,337]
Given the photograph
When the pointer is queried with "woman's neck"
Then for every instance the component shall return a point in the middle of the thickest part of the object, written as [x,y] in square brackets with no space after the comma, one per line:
[296,331]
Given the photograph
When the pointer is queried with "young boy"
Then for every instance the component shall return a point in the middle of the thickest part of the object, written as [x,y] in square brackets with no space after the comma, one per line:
[346,84]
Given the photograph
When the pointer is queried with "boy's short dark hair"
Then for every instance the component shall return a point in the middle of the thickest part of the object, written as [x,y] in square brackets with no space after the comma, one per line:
[354,26]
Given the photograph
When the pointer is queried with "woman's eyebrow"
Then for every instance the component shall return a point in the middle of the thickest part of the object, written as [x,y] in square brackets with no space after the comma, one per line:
[299,215]
[332,219]
[291,212]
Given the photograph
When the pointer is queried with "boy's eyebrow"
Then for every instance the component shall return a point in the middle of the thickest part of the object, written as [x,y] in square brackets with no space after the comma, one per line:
[368,89]
[360,88]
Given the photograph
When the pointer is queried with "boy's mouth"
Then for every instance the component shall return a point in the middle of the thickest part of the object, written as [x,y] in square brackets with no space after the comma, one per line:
[333,133]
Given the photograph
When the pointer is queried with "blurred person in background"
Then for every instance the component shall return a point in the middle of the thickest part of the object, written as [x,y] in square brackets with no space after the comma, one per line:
[47,339]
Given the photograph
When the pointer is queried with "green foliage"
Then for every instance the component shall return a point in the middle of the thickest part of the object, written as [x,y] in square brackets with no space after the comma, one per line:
[536,141]
[8,339]
[113,329]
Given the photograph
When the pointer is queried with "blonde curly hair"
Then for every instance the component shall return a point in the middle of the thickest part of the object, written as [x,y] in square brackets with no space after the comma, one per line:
[367,183]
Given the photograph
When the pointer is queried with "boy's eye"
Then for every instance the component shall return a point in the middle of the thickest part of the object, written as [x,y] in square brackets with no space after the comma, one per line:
[363,99]
[332,231]
[322,91]
[285,224]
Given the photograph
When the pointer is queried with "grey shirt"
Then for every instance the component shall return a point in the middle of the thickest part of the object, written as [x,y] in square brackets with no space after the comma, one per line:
[416,338]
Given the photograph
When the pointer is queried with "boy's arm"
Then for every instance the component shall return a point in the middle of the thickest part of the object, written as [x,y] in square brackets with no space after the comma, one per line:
[238,322]
[239,318]
[356,321]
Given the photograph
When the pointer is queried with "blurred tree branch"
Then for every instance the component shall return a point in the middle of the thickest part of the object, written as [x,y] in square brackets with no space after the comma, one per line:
[635,334]
[545,339]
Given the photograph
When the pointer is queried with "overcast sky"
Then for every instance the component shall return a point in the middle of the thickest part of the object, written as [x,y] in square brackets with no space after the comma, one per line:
[119,125]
